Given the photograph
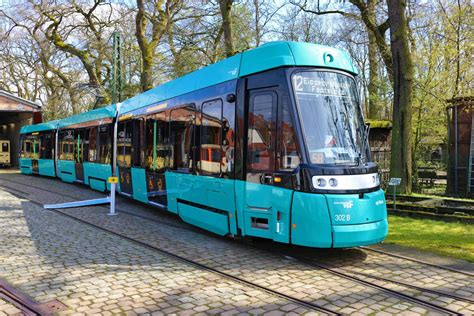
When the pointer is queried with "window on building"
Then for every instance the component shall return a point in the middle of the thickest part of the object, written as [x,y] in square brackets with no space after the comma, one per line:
[182,137]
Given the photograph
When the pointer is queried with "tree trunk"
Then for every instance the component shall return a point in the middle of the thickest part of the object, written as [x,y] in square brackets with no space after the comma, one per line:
[226,7]
[256,4]
[401,156]
[374,107]
[146,78]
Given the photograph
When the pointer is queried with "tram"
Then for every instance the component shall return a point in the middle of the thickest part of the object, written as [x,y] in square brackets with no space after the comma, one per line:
[4,153]
[268,143]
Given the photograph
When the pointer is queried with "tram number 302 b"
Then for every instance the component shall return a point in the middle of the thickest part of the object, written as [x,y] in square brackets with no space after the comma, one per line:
[342,217]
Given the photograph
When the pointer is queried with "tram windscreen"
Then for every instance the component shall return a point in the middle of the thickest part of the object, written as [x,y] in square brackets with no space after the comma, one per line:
[332,123]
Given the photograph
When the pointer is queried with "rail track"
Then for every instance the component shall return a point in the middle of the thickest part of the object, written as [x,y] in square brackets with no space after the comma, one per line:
[361,278]
[25,304]
[187,226]
[300,302]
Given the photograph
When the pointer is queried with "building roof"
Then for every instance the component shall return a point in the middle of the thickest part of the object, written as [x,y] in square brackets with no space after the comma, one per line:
[268,56]
[20,100]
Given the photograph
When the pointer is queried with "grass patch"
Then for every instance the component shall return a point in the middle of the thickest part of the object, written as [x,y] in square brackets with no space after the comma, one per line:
[451,239]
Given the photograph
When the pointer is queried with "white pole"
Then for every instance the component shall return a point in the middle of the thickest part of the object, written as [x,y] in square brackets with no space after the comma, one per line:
[114,163]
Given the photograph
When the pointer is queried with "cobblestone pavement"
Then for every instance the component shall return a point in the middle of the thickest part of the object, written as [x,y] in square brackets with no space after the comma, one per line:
[49,256]
[7,308]
[273,271]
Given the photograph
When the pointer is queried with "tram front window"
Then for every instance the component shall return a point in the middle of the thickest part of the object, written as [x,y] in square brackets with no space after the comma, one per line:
[332,123]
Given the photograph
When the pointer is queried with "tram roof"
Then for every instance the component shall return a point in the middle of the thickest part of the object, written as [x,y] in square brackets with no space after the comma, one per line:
[266,57]
[47,126]
[97,114]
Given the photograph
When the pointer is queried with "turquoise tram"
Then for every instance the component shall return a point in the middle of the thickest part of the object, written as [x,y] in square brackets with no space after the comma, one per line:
[38,144]
[268,143]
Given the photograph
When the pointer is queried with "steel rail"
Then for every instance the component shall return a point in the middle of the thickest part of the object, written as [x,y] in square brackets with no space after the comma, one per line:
[394,293]
[332,270]
[178,226]
[417,261]
[303,303]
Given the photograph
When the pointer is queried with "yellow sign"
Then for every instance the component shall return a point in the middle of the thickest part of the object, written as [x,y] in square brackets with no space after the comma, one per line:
[156,107]
[125,117]
[113,180]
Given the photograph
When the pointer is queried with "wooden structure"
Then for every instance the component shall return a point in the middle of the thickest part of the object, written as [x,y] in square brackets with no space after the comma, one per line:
[460,146]
[14,113]
[380,139]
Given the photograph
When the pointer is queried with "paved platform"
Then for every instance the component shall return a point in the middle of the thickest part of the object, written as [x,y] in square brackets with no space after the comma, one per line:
[50,256]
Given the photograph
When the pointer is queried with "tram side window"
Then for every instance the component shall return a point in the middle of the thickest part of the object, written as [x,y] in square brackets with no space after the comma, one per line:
[79,146]
[28,148]
[47,146]
[124,144]
[5,148]
[158,150]
[137,142]
[211,157]
[288,153]
[260,132]
[85,145]
[182,137]
[23,153]
[92,140]
[228,139]
[121,144]
[66,145]
[105,145]
[27,145]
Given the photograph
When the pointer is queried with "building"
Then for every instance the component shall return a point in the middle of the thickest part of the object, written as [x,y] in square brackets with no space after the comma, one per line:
[460,146]
[14,113]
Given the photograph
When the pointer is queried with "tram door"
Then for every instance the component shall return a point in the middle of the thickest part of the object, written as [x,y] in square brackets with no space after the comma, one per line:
[260,147]
[267,202]
[79,155]
[124,155]
[36,153]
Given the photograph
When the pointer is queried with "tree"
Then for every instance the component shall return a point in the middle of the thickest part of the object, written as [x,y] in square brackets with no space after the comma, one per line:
[374,107]
[62,27]
[226,8]
[160,14]
[401,151]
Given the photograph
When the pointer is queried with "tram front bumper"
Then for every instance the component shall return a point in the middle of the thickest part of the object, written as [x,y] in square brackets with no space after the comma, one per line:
[359,235]
[338,220]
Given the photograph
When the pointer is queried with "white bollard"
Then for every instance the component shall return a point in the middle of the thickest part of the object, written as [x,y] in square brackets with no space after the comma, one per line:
[112,199]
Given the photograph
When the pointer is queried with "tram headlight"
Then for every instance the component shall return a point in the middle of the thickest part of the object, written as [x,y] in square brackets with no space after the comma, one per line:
[333,182]
[321,183]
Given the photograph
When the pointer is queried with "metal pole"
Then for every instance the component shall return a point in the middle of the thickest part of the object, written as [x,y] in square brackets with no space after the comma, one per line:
[394,197]
[117,68]
[455,150]
[114,163]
